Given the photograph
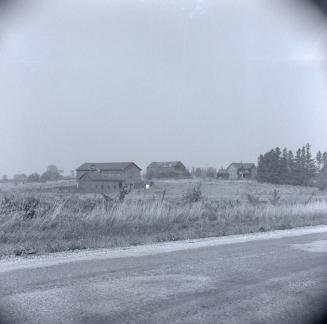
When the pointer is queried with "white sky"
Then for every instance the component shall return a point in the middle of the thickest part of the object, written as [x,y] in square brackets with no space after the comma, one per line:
[206,82]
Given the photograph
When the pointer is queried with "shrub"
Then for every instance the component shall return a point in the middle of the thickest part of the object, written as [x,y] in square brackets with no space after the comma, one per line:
[275,197]
[29,207]
[122,193]
[193,194]
[254,200]
[34,177]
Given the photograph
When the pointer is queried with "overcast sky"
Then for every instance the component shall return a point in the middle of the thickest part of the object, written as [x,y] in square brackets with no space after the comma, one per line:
[206,82]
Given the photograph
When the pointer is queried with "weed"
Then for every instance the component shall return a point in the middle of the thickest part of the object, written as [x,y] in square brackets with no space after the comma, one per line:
[193,194]
[275,197]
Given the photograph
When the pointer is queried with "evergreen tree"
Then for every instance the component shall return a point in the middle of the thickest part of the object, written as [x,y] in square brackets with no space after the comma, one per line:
[319,160]
[322,179]
[324,160]
[310,167]
[261,170]
[298,170]
[284,165]
[303,158]
[275,166]
[290,163]
[266,167]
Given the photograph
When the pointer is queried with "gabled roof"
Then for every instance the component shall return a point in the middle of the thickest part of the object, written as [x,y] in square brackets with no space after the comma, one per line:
[111,166]
[242,165]
[169,164]
[98,176]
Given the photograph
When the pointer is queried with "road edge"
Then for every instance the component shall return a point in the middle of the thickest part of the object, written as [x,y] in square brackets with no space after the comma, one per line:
[53,259]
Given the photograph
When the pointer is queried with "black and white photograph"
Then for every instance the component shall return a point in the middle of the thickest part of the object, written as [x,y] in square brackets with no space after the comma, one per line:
[163,161]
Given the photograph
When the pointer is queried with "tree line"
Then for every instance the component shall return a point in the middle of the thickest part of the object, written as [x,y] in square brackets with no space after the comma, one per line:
[52,173]
[209,172]
[284,167]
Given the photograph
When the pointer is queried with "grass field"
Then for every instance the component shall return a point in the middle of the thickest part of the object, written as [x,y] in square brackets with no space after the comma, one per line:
[51,217]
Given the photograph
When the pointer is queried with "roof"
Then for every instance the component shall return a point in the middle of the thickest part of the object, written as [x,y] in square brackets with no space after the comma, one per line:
[242,165]
[111,166]
[98,176]
[170,164]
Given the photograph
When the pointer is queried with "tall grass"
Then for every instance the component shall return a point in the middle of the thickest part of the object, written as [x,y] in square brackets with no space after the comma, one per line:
[72,222]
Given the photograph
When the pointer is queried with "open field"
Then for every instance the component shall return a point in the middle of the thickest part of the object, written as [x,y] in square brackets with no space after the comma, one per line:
[50,217]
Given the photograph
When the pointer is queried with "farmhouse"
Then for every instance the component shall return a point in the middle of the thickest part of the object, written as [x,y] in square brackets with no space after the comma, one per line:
[242,171]
[106,177]
[167,170]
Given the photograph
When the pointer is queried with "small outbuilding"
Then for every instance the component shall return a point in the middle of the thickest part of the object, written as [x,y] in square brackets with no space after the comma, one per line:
[167,170]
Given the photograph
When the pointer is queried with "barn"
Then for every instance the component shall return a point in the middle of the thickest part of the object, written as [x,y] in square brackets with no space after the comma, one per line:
[242,171]
[167,170]
[107,177]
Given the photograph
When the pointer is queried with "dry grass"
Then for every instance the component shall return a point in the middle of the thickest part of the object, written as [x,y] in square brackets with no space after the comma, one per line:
[62,221]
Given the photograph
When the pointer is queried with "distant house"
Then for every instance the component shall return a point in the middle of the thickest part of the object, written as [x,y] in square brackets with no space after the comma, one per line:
[106,177]
[223,174]
[242,171]
[167,170]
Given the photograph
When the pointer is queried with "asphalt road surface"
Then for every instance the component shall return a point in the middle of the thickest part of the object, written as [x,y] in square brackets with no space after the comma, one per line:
[264,278]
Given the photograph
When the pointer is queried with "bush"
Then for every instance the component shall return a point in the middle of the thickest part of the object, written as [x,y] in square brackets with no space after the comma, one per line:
[254,200]
[275,197]
[34,177]
[29,207]
[193,194]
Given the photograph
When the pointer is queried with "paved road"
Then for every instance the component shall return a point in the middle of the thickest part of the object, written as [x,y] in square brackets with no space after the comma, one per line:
[265,279]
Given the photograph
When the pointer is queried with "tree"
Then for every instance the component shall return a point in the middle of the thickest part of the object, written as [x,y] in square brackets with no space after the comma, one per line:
[310,167]
[303,158]
[261,170]
[34,177]
[324,160]
[322,179]
[211,172]
[52,173]
[284,166]
[269,167]
[319,160]
[290,164]
[4,178]
[197,172]
[298,170]
[20,177]
[281,167]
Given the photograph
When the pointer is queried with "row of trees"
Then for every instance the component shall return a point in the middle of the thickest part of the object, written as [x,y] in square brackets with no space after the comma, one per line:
[284,167]
[204,172]
[52,173]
